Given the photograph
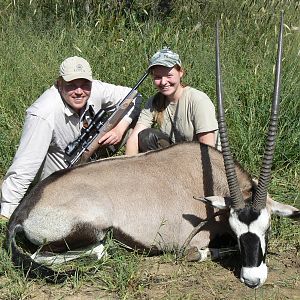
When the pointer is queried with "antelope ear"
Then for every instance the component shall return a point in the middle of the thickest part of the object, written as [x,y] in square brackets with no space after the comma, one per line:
[215,201]
[284,210]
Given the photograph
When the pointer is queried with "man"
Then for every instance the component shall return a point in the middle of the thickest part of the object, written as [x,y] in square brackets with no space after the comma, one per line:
[54,120]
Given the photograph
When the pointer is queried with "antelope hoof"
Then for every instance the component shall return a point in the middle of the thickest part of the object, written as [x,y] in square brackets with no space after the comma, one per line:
[194,254]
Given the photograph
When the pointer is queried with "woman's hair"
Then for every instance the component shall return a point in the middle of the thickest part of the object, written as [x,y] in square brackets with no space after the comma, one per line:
[159,105]
[160,102]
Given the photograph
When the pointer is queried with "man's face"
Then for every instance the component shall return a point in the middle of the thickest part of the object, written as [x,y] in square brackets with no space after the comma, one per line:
[76,92]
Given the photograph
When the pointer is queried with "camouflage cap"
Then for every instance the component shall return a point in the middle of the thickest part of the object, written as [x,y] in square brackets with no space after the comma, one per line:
[165,57]
[74,68]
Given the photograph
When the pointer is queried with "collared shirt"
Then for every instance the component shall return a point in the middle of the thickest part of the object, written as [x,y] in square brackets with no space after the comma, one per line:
[50,125]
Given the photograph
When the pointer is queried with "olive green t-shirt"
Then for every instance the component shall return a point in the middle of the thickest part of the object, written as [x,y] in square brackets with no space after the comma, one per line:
[193,113]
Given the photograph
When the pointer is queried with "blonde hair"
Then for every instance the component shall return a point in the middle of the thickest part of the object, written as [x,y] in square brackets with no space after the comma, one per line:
[159,105]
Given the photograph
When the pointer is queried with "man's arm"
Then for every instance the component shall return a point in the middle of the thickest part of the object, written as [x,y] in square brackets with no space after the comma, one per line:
[115,135]
[107,96]
[32,150]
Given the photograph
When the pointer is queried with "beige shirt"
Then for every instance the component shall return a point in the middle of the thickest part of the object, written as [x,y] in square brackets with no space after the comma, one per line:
[194,113]
[50,125]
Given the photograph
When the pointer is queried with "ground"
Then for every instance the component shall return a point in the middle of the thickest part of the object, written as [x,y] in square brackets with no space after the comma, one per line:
[162,278]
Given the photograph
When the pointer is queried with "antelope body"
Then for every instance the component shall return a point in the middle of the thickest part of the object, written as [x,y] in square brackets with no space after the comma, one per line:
[146,199]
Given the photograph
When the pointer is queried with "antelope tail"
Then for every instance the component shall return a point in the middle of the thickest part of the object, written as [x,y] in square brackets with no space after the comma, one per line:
[30,267]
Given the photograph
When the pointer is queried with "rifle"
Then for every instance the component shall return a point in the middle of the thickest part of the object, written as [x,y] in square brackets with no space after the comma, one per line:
[86,144]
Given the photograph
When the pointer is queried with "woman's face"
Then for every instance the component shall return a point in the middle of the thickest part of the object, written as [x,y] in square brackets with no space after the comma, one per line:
[76,92]
[167,81]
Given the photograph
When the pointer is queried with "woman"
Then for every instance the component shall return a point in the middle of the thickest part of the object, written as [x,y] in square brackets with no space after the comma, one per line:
[176,113]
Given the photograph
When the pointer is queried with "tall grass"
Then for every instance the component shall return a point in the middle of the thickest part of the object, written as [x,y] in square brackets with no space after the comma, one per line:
[118,40]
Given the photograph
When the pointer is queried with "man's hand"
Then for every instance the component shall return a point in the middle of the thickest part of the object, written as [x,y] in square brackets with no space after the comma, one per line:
[114,136]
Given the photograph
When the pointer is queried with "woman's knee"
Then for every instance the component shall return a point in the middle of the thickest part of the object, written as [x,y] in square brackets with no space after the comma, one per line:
[152,139]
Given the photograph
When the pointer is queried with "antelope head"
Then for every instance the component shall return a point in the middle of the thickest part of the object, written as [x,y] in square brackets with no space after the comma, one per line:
[250,218]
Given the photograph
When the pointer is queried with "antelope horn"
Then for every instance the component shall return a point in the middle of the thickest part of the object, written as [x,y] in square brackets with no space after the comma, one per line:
[234,189]
[260,197]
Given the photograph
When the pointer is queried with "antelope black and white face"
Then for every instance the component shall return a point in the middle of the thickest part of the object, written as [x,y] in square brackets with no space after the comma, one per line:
[251,229]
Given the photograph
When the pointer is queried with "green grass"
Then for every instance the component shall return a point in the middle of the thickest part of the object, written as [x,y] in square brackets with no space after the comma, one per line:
[37,35]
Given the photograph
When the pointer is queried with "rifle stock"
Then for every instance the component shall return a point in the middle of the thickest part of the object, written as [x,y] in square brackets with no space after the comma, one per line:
[113,120]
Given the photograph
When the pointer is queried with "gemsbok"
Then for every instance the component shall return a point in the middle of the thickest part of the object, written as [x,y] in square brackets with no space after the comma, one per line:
[148,201]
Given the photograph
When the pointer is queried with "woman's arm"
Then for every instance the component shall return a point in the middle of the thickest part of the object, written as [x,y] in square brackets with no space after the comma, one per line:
[132,145]
[207,138]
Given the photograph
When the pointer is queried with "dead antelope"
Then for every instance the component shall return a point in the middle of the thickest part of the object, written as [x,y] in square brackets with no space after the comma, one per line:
[148,201]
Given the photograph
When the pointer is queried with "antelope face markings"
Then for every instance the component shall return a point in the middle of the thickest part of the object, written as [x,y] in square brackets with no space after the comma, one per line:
[251,227]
